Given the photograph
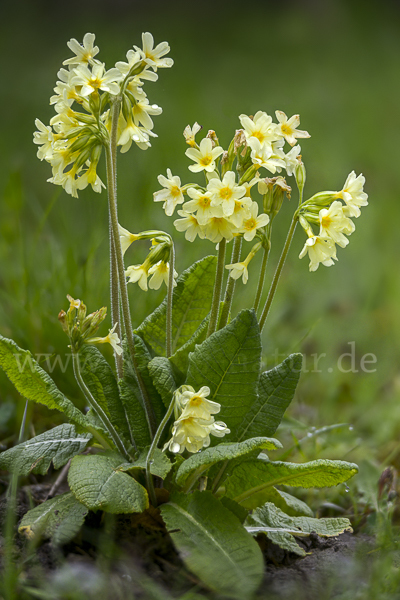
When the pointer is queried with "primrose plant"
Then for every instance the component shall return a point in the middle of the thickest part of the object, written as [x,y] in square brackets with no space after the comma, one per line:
[184,419]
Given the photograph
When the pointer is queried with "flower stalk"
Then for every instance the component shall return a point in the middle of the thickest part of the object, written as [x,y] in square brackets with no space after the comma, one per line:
[122,279]
[96,407]
[170,295]
[219,276]
[150,454]
[231,284]
[278,271]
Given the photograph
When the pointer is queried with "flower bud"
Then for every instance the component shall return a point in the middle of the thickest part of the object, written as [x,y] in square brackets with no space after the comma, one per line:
[275,187]
[211,135]
[300,175]
[239,142]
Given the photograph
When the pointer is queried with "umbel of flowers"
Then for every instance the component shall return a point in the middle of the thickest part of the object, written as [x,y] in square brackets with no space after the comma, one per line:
[85,91]
[224,208]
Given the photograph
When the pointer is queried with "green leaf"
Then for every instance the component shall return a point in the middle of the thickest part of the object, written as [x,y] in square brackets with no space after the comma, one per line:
[213,544]
[191,304]
[238,510]
[280,527]
[101,381]
[160,465]
[57,445]
[251,477]
[197,464]
[32,382]
[59,519]
[228,362]
[275,392]
[286,502]
[180,359]
[160,370]
[131,396]
[98,482]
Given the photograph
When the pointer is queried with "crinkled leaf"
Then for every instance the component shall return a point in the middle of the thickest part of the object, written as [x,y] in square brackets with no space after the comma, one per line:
[131,395]
[32,382]
[228,362]
[251,477]
[275,392]
[280,527]
[101,381]
[160,465]
[99,484]
[286,502]
[59,518]
[238,510]
[160,370]
[57,445]
[180,359]
[191,304]
[197,464]
[213,544]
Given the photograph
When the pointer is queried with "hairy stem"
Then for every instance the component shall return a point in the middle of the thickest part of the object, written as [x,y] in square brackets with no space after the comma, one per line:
[114,299]
[278,272]
[150,454]
[170,294]
[219,277]
[261,280]
[231,284]
[151,421]
[96,406]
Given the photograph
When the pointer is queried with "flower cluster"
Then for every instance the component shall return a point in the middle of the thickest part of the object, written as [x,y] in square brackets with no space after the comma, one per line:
[194,421]
[155,265]
[84,93]
[325,209]
[223,208]
[79,326]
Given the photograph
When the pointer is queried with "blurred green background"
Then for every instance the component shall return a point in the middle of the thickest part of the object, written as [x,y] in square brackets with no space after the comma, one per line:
[338,65]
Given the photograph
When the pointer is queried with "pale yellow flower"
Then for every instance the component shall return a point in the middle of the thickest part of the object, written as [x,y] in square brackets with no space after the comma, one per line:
[83,53]
[254,222]
[320,250]
[96,79]
[171,195]
[260,128]
[126,238]
[288,127]
[160,274]
[189,133]
[204,157]
[196,404]
[201,202]
[224,193]
[154,54]
[190,225]
[138,274]
[264,156]
[218,228]
[353,194]
[334,224]
[112,339]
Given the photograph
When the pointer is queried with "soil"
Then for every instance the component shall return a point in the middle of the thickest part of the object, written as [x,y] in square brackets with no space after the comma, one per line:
[114,555]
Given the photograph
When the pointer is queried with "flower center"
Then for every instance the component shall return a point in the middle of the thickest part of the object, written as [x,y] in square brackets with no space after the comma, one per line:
[196,401]
[225,193]
[326,221]
[286,129]
[204,201]
[175,191]
[250,224]
[259,135]
[95,83]
[206,160]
